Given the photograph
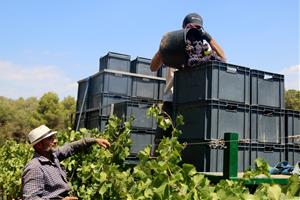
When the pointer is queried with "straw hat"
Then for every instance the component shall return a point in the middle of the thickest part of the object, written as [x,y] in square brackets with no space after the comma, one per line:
[39,133]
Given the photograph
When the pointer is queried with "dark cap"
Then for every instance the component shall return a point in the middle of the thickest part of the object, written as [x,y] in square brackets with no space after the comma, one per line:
[192,18]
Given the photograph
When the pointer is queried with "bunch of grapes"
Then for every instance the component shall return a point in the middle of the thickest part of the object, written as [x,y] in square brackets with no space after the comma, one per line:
[198,53]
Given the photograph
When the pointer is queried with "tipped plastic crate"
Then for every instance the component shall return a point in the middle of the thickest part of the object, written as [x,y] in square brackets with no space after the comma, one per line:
[208,158]
[141,139]
[146,87]
[267,89]
[292,126]
[271,153]
[115,61]
[267,124]
[135,109]
[292,153]
[212,80]
[207,120]
[142,66]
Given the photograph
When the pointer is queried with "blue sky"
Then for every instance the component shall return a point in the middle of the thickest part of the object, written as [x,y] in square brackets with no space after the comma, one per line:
[50,45]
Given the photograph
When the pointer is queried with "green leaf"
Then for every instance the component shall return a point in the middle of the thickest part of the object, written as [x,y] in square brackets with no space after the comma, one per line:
[103,189]
[274,192]
[103,177]
[139,173]
[179,120]
[189,169]
[148,193]
[160,190]
[293,186]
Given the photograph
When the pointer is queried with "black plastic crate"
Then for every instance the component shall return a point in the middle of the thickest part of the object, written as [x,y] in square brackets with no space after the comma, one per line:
[110,82]
[95,120]
[82,121]
[162,71]
[206,120]
[271,153]
[142,66]
[161,89]
[292,126]
[103,121]
[102,101]
[83,89]
[141,139]
[267,89]
[94,101]
[212,80]
[145,100]
[208,158]
[135,109]
[107,99]
[146,87]
[267,124]
[115,61]
[92,119]
[81,105]
[292,153]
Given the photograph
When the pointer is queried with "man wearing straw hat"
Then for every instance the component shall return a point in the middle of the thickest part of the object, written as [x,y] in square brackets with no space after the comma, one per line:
[43,177]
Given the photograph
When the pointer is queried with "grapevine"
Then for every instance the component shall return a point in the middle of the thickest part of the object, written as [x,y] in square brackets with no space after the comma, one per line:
[105,174]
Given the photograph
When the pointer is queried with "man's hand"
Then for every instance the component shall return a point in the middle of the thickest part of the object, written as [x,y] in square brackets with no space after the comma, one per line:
[70,198]
[103,143]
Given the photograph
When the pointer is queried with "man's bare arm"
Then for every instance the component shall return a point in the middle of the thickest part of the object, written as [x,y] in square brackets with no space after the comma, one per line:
[217,49]
[156,62]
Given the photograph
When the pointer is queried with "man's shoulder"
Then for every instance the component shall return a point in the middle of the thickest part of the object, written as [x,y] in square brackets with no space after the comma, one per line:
[32,167]
[33,164]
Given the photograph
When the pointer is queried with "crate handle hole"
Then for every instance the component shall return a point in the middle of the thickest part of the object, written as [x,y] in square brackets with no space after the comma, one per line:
[268,112]
[118,75]
[269,149]
[231,107]
[117,96]
[268,77]
[146,79]
[231,69]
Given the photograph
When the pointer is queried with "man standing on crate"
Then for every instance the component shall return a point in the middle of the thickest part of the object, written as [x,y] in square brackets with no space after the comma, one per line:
[192,20]
[43,177]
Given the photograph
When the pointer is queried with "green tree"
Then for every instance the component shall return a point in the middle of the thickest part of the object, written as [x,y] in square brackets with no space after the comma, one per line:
[16,117]
[4,111]
[69,106]
[5,117]
[50,111]
[292,99]
[23,116]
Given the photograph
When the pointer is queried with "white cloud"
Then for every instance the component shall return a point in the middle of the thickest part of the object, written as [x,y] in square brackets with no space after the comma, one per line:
[292,77]
[26,81]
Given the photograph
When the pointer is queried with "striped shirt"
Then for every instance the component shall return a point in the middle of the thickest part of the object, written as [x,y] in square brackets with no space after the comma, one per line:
[45,179]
